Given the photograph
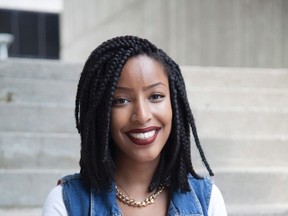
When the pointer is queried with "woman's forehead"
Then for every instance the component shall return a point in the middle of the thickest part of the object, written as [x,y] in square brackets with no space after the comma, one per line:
[142,69]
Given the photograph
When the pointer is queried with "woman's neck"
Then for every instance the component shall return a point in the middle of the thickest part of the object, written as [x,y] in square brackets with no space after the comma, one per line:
[133,179]
[134,176]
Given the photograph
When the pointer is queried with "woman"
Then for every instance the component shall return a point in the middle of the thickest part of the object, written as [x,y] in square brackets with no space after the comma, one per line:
[134,120]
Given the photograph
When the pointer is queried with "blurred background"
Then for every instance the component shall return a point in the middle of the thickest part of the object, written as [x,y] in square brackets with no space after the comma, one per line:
[234,58]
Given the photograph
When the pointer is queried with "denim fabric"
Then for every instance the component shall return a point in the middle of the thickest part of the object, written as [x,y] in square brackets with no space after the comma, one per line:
[80,200]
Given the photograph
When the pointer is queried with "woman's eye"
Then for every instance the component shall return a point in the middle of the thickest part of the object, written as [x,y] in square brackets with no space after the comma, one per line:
[119,101]
[156,97]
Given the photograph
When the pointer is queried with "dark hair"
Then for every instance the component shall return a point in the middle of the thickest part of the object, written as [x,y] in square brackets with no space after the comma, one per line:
[94,98]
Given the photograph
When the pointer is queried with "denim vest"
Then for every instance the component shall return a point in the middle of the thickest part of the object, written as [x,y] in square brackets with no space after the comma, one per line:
[79,200]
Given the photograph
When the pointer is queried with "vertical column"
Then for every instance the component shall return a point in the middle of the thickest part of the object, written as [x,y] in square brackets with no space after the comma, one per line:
[5,40]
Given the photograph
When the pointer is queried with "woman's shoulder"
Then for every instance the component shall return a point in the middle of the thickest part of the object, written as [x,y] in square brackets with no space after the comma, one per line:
[217,204]
[69,178]
[54,204]
[205,188]
[201,183]
[74,186]
[73,182]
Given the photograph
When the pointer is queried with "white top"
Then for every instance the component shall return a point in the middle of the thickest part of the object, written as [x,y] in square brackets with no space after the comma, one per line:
[54,205]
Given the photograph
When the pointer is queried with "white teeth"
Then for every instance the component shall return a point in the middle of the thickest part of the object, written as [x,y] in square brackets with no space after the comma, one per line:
[142,136]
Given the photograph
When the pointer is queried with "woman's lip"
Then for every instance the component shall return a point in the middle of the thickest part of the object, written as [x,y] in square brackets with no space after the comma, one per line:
[143,130]
[142,141]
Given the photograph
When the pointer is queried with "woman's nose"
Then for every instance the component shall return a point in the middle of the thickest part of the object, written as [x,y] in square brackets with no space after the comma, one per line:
[142,112]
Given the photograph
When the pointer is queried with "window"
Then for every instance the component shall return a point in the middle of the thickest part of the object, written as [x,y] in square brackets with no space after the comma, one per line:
[36,34]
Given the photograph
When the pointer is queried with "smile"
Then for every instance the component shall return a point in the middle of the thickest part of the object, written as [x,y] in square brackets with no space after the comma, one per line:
[144,136]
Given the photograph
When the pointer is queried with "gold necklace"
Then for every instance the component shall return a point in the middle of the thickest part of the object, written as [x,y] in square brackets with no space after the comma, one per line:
[132,202]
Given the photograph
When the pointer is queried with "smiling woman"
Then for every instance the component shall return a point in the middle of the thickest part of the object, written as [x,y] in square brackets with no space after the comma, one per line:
[135,121]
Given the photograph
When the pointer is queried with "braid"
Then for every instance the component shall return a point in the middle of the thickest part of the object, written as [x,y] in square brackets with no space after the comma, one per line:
[191,122]
[94,98]
[182,110]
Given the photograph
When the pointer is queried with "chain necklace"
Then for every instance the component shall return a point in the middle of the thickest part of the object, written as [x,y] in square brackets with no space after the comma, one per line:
[132,202]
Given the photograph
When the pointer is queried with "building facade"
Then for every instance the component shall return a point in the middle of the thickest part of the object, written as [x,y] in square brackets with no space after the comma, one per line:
[237,33]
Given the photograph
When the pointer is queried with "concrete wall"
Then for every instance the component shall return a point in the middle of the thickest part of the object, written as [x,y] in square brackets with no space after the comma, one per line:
[234,33]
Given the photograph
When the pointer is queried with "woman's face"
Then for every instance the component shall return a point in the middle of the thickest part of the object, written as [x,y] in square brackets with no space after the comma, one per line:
[141,115]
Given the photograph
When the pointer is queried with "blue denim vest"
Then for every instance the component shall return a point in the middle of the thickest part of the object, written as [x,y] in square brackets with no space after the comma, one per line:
[79,200]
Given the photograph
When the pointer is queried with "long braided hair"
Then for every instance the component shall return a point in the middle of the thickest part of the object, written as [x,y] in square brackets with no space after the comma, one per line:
[94,99]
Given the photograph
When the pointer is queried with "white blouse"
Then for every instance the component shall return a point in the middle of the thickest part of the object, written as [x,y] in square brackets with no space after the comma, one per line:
[54,204]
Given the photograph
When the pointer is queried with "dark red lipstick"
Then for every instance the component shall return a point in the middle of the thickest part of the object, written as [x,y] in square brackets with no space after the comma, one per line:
[137,135]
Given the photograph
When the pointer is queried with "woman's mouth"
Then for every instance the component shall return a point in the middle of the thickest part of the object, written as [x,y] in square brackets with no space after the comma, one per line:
[143,136]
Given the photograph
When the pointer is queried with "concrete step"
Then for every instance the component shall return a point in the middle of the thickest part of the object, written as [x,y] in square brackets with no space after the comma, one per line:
[237,97]
[39,151]
[54,118]
[47,151]
[251,151]
[20,211]
[253,186]
[40,69]
[235,77]
[230,122]
[37,91]
[50,118]
[26,188]
[259,210]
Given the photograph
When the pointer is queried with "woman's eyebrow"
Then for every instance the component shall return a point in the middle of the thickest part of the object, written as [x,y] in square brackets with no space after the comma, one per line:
[145,88]
[124,88]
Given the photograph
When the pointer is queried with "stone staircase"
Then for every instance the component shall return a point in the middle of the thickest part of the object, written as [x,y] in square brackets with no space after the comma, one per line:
[38,139]
[242,118]
[241,114]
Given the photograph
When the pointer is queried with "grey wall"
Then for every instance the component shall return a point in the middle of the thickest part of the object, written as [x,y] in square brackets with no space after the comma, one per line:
[234,33]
